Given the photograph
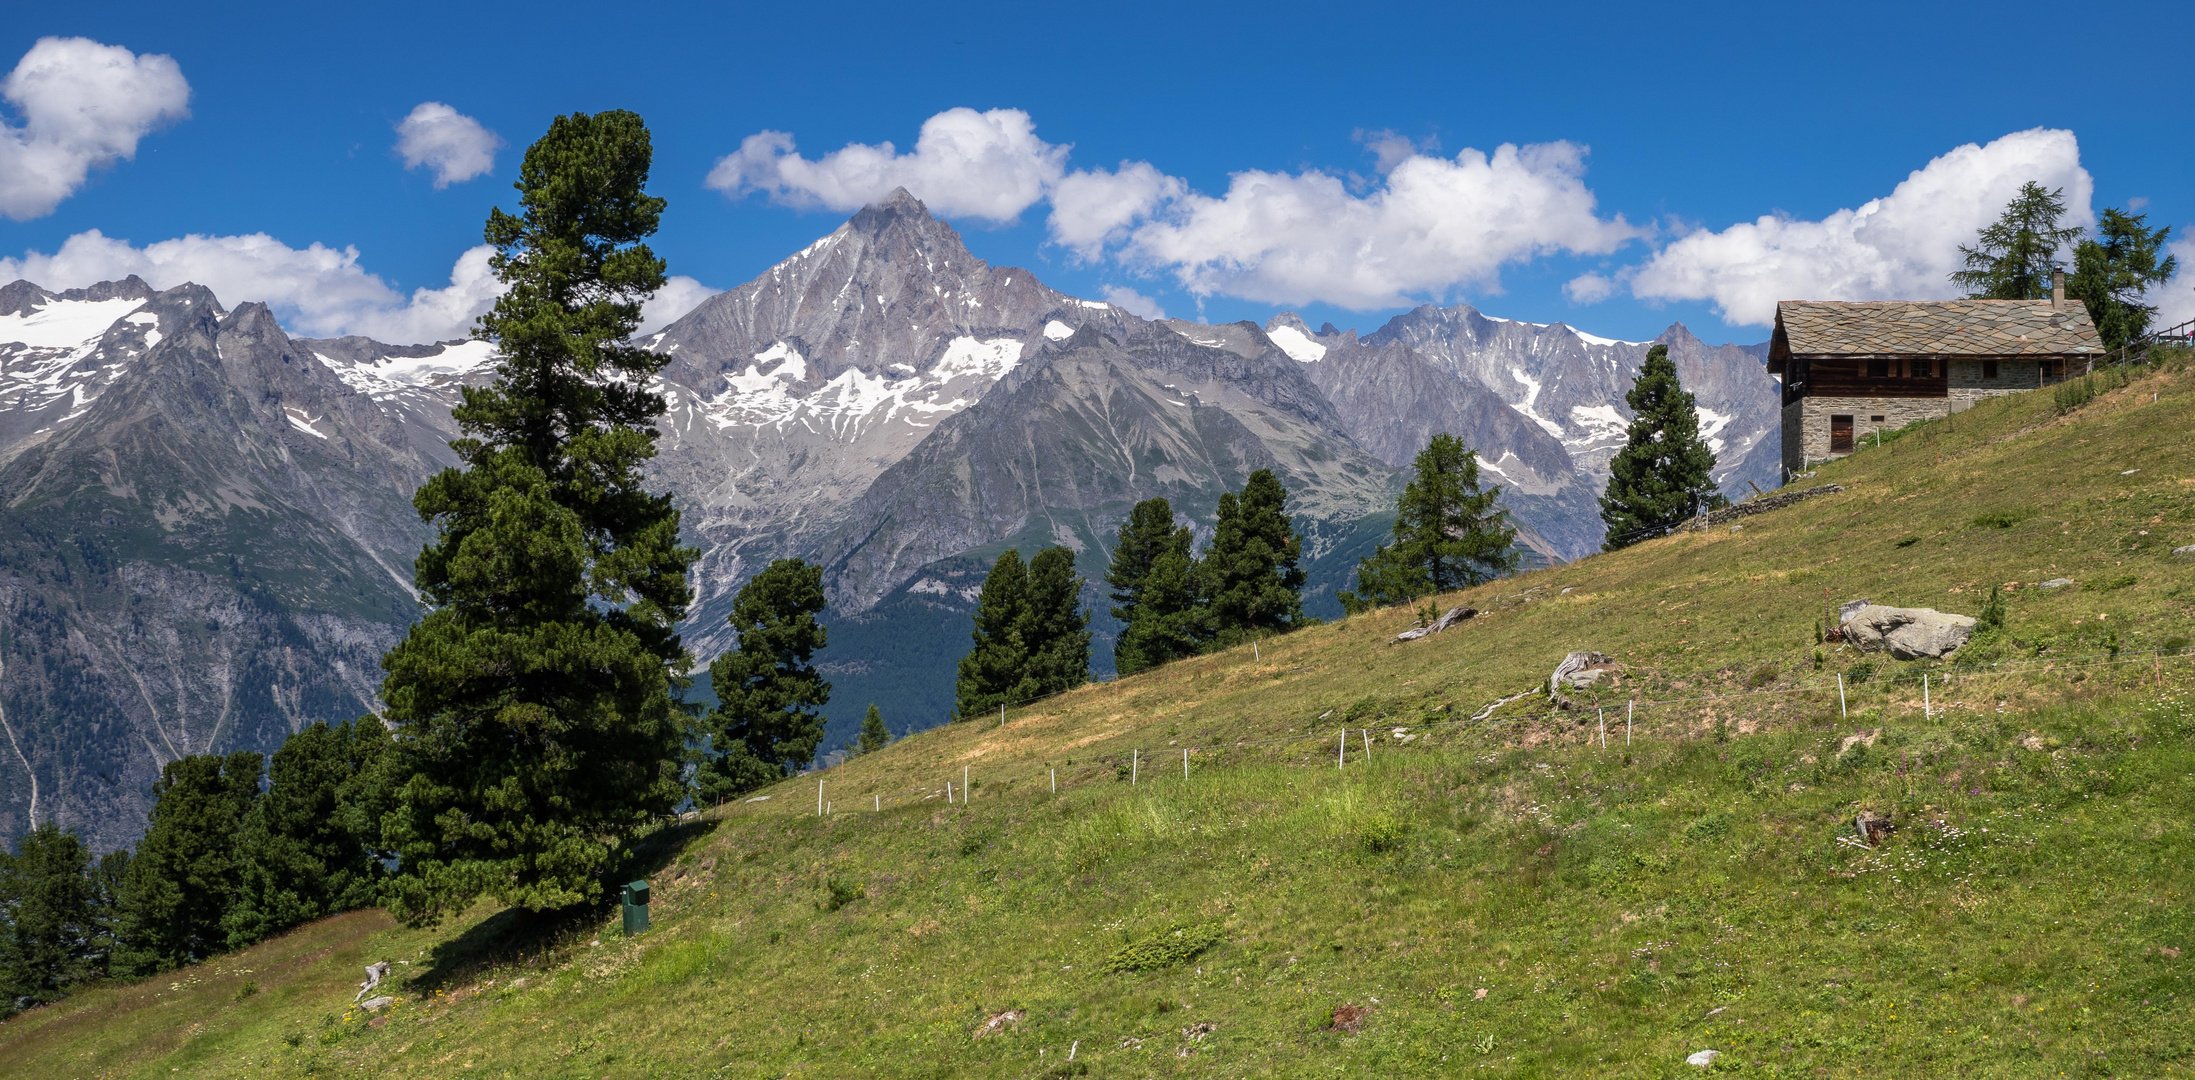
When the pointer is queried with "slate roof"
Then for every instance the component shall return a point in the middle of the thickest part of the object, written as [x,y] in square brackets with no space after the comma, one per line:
[1987,328]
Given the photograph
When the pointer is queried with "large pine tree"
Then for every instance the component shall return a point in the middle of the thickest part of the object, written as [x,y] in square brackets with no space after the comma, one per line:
[1449,532]
[186,872]
[766,724]
[2113,273]
[308,846]
[2013,257]
[534,720]
[1663,474]
[1250,569]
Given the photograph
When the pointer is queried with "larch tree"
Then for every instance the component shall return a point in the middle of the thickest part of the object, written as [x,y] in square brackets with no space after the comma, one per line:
[2013,257]
[535,730]
[1663,474]
[767,723]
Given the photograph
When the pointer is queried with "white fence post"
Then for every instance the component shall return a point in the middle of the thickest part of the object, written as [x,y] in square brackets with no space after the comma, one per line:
[1841,710]
[1135,765]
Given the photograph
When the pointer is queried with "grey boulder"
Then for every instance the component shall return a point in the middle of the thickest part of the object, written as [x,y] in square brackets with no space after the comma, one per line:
[1909,633]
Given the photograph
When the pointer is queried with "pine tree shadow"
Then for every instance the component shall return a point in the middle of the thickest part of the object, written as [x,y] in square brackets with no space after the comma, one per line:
[518,940]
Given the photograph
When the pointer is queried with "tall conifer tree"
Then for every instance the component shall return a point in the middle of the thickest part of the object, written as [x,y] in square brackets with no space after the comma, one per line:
[533,707]
[1449,532]
[1250,568]
[1154,590]
[1662,476]
[1054,627]
[2113,273]
[47,928]
[990,674]
[766,724]
[1172,619]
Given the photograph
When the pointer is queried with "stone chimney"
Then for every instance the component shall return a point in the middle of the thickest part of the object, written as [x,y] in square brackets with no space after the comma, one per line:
[2057,288]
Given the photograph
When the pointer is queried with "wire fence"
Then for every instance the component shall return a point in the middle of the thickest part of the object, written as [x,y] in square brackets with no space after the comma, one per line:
[1359,742]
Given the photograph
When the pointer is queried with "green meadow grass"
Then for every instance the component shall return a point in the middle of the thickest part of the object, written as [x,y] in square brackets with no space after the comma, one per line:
[1504,895]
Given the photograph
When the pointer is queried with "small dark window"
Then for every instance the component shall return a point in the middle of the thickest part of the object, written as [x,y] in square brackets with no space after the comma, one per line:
[1924,369]
[1989,369]
[1875,419]
[1878,369]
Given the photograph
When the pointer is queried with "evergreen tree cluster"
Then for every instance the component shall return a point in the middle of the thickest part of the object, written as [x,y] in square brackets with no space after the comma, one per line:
[225,861]
[1174,603]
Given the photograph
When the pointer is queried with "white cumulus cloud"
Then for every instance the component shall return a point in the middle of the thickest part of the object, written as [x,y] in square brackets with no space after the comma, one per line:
[1133,302]
[2175,299]
[1901,246]
[1092,208]
[1589,288]
[83,106]
[316,291]
[455,145]
[1431,225]
[1426,225]
[987,165]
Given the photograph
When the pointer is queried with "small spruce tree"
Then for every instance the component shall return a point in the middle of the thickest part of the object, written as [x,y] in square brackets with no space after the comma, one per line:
[1449,533]
[532,706]
[991,672]
[1250,569]
[874,735]
[767,722]
[1663,474]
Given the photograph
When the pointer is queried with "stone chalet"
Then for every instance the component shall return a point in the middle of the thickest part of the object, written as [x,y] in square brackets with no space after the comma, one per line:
[1849,369]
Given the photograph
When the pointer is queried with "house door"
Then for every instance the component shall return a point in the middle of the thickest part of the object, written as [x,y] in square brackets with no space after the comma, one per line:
[1840,434]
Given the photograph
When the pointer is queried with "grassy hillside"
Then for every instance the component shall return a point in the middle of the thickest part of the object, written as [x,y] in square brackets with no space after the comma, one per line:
[1500,894]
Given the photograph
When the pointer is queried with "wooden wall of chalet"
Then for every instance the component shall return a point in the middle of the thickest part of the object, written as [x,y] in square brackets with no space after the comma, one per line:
[1842,377]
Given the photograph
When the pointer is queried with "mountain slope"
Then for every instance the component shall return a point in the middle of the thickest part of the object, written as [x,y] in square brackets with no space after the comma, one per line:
[1491,893]
[210,550]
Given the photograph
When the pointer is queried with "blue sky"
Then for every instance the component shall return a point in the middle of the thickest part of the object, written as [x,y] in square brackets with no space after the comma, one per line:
[1645,133]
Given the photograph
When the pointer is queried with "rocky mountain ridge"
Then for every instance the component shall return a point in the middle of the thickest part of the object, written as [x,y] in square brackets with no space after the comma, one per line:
[205,533]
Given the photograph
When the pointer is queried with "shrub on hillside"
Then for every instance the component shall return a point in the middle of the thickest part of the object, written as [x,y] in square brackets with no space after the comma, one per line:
[1173,945]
